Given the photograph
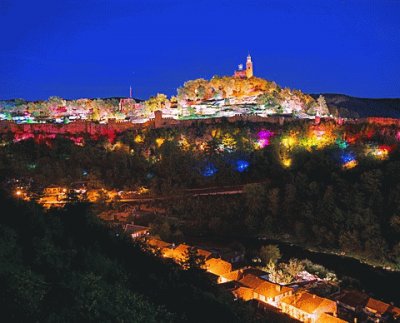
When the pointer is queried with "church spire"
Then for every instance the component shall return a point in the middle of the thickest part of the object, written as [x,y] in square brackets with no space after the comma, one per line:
[249,67]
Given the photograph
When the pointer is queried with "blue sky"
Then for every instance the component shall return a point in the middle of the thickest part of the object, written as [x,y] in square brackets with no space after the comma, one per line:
[97,48]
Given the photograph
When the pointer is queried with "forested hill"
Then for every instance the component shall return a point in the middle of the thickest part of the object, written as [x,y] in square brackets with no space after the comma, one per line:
[349,106]
[66,266]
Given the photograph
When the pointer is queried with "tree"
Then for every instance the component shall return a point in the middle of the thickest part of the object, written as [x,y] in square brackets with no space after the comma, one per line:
[322,108]
[395,223]
[270,253]
[157,102]
[294,267]
[255,197]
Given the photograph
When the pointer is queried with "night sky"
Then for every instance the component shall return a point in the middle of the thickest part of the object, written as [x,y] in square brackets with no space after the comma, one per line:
[97,48]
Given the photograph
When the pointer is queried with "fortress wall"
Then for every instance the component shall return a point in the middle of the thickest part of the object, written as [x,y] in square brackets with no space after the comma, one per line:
[112,128]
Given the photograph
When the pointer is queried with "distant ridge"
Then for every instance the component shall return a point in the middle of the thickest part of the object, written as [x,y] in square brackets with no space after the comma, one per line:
[354,107]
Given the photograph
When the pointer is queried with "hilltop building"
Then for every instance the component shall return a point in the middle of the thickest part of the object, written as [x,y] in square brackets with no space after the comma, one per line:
[248,72]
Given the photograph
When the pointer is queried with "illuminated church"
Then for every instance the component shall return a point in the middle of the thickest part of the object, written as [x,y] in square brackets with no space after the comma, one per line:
[248,72]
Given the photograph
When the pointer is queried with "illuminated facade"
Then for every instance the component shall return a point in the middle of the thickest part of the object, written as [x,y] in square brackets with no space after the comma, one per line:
[245,73]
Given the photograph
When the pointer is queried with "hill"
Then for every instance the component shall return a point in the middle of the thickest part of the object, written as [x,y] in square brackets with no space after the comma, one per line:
[354,107]
[67,266]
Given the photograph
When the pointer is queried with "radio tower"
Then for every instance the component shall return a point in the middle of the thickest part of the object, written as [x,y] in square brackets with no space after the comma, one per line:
[130,91]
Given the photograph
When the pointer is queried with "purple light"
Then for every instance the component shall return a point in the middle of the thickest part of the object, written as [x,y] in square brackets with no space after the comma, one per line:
[264,134]
[264,138]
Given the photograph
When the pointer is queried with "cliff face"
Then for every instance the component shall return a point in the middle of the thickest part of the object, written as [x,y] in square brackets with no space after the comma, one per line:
[349,106]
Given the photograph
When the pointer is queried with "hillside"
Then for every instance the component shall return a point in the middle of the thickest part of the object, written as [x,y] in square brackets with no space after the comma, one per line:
[349,106]
[67,266]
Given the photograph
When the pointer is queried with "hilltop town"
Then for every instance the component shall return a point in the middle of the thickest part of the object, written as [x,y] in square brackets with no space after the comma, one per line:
[240,94]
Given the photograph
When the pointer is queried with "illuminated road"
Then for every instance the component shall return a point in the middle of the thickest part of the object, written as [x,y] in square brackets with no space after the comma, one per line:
[224,190]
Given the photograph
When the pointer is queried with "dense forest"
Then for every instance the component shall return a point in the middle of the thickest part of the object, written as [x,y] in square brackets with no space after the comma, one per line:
[67,266]
[323,185]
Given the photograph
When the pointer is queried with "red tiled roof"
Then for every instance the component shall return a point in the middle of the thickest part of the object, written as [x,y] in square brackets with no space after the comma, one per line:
[377,306]
[218,266]
[233,275]
[395,311]
[244,293]
[310,303]
[251,281]
[204,253]
[353,298]
[158,243]
[271,290]
[133,228]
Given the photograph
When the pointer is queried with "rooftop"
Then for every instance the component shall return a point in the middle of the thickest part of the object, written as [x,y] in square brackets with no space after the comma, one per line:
[309,303]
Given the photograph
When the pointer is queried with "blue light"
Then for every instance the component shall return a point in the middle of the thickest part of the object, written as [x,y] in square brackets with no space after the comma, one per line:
[241,165]
[209,170]
[347,157]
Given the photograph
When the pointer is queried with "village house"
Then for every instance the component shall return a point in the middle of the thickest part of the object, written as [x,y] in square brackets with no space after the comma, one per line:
[352,300]
[308,307]
[136,231]
[180,252]
[262,290]
[217,267]
[380,311]
[251,281]
[158,244]
[327,318]
[240,273]
[243,293]
[53,196]
[271,293]
[360,303]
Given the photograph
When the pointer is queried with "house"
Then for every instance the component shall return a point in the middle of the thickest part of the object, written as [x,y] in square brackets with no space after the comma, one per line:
[395,312]
[352,300]
[217,267]
[263,291]
[328,318]
[180,252]
[240,273]
[244,293]
[271,293]
[158,244]
[136,231]
[307,307]
[251,281]
[54,190]
[380,311]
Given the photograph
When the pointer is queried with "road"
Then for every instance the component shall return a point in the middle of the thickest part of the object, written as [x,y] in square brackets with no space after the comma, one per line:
[221,190]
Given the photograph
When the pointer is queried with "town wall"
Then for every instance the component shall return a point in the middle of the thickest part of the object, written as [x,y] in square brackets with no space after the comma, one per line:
[114,127]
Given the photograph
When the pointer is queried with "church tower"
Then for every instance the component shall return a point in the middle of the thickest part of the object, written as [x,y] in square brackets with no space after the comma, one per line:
[249,67]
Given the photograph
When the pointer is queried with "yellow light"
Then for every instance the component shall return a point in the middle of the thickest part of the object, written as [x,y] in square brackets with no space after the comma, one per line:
[288,142]
[159,141]
[350,164]
[287,162]
[18,192]
[139,139]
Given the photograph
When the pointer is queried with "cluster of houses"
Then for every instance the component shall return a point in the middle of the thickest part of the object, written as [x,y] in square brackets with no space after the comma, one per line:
[354,303]
[252,284]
